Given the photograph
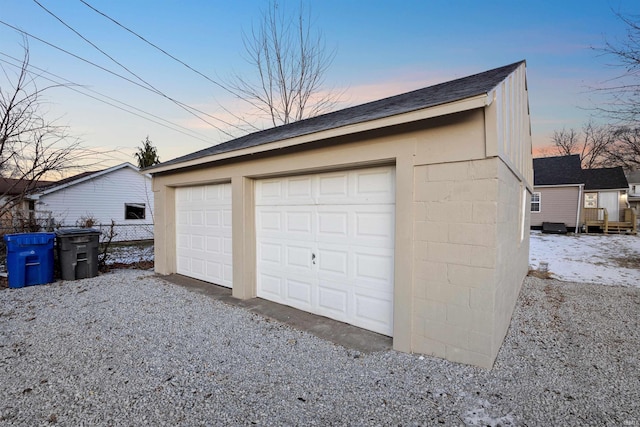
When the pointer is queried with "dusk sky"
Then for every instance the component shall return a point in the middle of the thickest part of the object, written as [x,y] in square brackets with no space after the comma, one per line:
[382,48]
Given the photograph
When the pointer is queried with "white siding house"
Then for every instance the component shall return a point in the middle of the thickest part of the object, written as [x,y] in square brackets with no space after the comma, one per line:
[121,194]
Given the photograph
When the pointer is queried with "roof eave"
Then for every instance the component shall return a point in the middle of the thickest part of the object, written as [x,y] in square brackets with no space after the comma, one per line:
[478,101]
[37,194]
[556,185]
[607,189]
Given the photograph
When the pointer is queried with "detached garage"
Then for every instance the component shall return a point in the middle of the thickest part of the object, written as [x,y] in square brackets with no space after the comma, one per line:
[406,216]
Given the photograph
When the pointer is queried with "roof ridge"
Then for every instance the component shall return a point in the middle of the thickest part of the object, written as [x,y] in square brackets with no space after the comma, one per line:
[430,96]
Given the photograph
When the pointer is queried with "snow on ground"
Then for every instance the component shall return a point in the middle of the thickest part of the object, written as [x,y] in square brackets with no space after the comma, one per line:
[130,254]
[594,258]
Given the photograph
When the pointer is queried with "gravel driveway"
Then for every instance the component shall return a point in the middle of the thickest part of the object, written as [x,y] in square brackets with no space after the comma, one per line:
[127,348]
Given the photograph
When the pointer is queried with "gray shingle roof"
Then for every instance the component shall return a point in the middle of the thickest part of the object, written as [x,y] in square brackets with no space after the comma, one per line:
[431,96]
[557,170]
[605,179]
[566,170]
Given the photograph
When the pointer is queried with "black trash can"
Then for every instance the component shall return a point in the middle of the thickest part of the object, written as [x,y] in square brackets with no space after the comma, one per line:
[78,252]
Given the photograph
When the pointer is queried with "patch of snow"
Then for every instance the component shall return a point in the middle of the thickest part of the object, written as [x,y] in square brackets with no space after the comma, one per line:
[590,258]
[481,416]
[130,254]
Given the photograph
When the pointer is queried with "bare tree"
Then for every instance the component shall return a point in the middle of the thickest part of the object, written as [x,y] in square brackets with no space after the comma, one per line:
[566,142]
[290,61]
[593,144]
[31,146]
[625,151]
[624,91]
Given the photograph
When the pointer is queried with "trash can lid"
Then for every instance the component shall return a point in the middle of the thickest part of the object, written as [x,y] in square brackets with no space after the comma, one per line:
[19,237]
[76,231]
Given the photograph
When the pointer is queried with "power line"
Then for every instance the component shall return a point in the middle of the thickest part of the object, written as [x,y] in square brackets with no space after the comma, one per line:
[220,85]
[149,86]
[68,84]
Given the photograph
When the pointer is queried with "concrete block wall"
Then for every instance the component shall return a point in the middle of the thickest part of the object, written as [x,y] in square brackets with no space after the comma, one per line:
[512,248]
[455,260]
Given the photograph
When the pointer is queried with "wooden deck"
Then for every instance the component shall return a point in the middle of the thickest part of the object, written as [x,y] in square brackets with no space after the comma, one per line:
[599,217]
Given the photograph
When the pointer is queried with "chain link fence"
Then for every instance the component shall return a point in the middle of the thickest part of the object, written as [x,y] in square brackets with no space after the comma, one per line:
[122,233]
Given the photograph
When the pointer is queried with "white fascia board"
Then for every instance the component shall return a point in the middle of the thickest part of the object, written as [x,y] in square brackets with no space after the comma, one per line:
[557,186]
[472,103]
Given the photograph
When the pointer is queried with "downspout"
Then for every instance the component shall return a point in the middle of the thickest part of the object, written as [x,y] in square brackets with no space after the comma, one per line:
[580,187]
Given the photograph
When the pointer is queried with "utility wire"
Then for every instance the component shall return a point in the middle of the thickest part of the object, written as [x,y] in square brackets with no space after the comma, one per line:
[100,67]
[73,86]
[149,86]
[220,85]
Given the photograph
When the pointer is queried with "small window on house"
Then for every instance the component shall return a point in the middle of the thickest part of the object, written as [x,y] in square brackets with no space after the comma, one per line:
[134,210]
[535,202]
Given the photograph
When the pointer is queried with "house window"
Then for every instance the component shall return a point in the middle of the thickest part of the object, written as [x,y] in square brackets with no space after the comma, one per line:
[535,202]
[134,210]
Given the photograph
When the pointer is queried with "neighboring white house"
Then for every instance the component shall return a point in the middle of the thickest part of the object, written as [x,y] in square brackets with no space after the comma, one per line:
[120,193]
[633,178]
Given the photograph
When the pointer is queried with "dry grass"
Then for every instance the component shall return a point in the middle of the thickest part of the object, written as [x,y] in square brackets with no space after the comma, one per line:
[540,274]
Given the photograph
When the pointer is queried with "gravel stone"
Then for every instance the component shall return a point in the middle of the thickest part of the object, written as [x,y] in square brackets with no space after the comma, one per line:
[128,348]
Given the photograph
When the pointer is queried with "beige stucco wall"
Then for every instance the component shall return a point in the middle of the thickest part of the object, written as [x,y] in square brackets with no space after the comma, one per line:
[470,257]
[455,264]
[512,249]
[558,204]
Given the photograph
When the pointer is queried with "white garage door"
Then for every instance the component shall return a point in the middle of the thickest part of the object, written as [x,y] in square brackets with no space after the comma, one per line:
[203,233]
[325,244]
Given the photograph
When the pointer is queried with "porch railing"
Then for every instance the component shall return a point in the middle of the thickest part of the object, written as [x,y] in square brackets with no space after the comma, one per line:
[596,217]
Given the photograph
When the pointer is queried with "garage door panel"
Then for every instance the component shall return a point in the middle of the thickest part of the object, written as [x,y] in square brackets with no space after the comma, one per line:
[213,219]
[182,218]
[299,293]
[227,219]
[227,273]
[203,235]
[197,243]
[333,223]
[270,253]
[228,248]
[373,313]
[183,241]
[377,225]
[333,262]
[198,267]
[333,186]
[299,223]
[214,270]
[268,220]
[373,270]
[270,286]
[196,219]
[333,302]
[329,251]
[214,244]
[270,190]
[299,189]
[299,257]
[376,183]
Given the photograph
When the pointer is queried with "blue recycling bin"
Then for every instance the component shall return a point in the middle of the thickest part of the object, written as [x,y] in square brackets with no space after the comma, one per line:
[29,258]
